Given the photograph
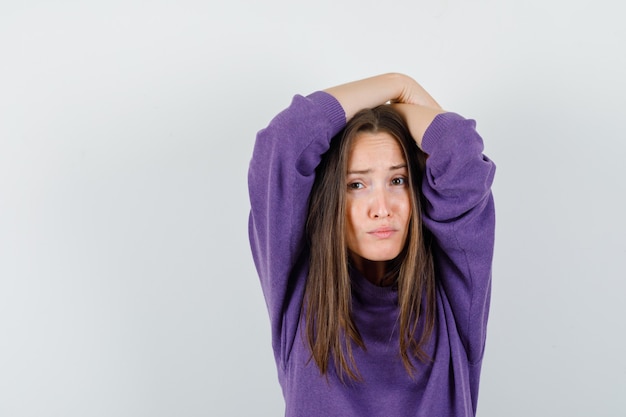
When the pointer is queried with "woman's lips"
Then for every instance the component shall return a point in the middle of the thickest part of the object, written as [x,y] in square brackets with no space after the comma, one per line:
[382,232]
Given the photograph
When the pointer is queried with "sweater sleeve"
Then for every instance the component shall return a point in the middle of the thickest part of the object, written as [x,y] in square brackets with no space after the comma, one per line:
[459,211]
[280,178]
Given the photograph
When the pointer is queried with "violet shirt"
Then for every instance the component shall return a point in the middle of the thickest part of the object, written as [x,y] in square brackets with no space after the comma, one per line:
[460,214]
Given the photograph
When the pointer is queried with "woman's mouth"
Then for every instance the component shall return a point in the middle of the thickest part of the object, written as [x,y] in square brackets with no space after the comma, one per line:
[382,232]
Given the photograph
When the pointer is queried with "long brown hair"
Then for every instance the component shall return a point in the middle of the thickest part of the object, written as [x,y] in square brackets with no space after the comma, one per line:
[330,328]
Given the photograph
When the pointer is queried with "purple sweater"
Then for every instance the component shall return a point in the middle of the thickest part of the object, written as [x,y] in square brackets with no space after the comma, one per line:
[460,214]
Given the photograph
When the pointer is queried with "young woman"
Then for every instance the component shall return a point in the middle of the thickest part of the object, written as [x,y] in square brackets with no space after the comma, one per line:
[372,228]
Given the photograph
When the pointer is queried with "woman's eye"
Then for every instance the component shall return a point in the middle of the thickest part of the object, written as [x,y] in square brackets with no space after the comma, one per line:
[398,181]
[355,185]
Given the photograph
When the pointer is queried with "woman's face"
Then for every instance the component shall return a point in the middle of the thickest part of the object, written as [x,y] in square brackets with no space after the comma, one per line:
[378,203]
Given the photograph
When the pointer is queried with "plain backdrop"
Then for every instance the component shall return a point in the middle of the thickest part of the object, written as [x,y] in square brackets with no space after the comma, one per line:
[127,286]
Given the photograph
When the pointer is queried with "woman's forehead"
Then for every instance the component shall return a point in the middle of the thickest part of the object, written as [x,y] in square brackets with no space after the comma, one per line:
[375,149]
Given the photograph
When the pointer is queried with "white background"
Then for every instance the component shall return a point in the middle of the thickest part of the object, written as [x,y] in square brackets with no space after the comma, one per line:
[126,281]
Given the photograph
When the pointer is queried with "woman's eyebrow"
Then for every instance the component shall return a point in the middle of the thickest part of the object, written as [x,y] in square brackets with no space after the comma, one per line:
[395,167]
[369,170]
[360,171]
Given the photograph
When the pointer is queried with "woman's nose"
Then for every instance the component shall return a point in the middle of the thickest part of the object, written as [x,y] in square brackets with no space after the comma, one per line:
[380,205]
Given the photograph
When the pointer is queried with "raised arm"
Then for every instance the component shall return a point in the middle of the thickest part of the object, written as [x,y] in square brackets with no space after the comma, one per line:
[380,89]
[459,211]
[418,118]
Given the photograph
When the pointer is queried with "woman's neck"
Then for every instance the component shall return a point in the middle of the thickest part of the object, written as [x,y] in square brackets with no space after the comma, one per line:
[374,271]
